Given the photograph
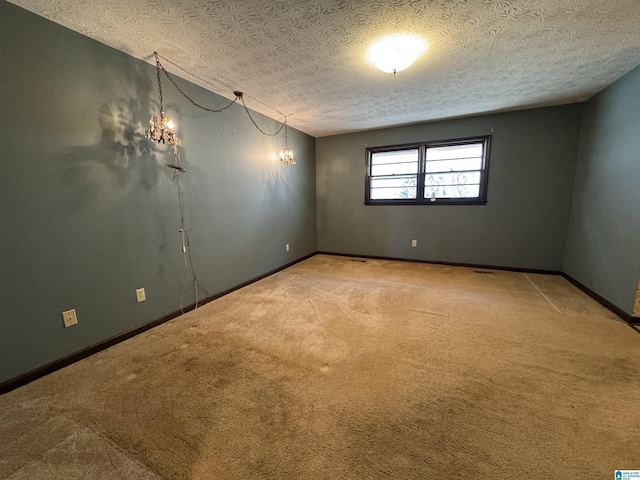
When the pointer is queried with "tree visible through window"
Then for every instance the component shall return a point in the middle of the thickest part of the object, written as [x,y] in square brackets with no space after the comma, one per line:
[452,171]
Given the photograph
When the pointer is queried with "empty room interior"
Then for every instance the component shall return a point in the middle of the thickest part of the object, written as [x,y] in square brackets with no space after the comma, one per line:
[239,244]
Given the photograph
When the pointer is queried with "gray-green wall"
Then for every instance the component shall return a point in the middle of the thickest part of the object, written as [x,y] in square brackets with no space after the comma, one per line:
[603,246]
[524,223]
[89,209]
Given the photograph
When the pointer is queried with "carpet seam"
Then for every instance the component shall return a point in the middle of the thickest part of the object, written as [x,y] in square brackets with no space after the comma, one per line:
[540,291]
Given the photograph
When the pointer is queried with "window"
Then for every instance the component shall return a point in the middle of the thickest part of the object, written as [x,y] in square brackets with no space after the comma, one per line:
[442,172]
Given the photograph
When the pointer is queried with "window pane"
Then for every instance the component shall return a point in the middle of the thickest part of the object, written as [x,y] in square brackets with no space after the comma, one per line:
[397,156]
[394,169]
[394,163]
[453,191]
[455,158]
[393,193]
[397,181]
[458,178]
[454,165]
[471,150]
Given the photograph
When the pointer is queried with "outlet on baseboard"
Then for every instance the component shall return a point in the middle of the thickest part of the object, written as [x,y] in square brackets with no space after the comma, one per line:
[69,318]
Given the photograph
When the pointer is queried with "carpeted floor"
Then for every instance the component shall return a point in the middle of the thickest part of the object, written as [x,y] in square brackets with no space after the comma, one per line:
[338,368]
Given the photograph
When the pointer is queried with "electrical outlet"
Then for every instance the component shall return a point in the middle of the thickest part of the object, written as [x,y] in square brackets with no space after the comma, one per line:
[140,295]
[414,243]
[286,247]
[69,318]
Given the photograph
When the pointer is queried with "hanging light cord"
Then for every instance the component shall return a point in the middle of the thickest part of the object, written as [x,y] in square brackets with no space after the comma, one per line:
[241,97]
[219,83]
[186,250]
[286,141]
[207,109]
[158,67]
[238,95]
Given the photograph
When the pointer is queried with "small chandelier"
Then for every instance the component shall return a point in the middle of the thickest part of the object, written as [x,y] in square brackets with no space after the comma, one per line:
[161,129]
[161,126]
[286,154]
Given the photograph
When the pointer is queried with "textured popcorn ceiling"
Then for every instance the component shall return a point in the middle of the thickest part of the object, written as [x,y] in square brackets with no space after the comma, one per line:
[306,58]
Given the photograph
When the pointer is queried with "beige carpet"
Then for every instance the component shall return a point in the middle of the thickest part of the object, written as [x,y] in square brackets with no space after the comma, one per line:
[344,369]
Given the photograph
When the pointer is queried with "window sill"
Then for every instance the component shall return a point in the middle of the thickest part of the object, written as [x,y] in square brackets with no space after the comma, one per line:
[428,202]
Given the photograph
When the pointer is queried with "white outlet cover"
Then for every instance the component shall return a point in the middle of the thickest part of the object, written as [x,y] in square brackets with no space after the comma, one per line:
[286,247]
[140,295]
[69,318]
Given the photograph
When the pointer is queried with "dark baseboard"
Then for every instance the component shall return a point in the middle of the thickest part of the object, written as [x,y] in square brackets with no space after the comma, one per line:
[631,320]
[39,372]
[451,264]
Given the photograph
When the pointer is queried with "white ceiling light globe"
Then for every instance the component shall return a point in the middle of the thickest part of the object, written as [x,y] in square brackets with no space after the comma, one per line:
[396,52]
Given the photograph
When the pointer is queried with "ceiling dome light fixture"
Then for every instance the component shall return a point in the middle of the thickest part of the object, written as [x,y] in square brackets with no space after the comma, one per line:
[396,52]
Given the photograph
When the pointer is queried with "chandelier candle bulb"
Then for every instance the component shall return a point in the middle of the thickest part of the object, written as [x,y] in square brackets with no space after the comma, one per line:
[161,130]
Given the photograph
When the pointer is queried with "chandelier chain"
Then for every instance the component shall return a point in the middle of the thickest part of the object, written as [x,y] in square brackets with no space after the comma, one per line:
[238,95]
[158,66]
[241,97]
[286,142]
[183,93]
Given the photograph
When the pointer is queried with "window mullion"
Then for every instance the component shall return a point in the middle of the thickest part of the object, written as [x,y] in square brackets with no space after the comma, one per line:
[367,184]
[422,162]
